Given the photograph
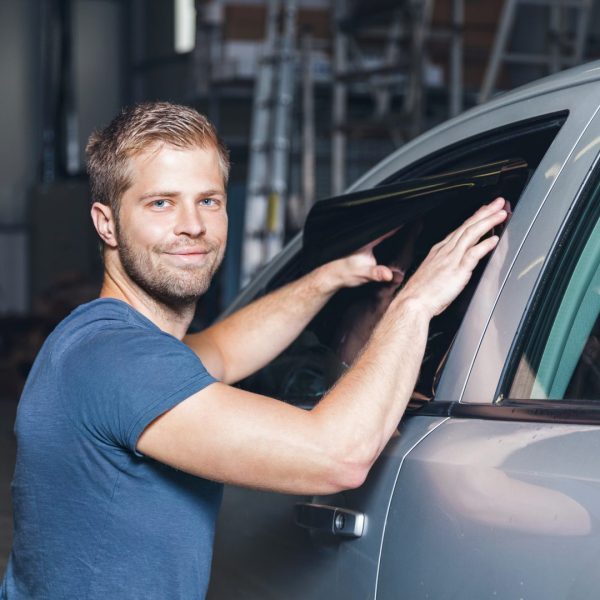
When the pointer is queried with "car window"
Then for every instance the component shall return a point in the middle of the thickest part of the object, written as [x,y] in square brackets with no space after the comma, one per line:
[531,137]
[330,343]
[336,227]
[561,358]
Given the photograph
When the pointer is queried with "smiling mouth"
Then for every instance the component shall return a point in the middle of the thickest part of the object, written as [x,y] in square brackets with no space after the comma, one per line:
[189,255]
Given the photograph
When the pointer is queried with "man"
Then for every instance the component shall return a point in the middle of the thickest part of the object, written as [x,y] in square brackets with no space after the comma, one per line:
[124,431]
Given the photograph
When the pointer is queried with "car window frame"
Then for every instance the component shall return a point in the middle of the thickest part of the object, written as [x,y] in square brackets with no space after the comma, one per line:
[485,383]
[468,145]
[553,313]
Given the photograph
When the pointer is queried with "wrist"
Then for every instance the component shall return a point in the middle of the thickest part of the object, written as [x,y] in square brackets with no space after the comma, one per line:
[412,307]
[325,280]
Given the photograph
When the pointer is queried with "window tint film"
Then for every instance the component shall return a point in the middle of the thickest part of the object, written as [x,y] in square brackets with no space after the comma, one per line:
[335,227]
[561,358]
[422,211]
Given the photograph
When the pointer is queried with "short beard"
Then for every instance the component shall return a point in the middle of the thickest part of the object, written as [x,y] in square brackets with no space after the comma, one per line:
[178,293]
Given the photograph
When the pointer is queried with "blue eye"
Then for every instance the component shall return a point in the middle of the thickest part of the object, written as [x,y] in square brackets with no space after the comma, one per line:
[208,201]
[159,203]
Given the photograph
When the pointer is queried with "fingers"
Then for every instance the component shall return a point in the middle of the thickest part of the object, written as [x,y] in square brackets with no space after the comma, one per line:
[398,276]
[477,230]
[375,272]
[380,239]
[461,248]
[474,254]
[382,273]
[467,247]
[494,207]
[447,269]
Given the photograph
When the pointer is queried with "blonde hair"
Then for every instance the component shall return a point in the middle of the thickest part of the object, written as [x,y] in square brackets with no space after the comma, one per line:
[136,129]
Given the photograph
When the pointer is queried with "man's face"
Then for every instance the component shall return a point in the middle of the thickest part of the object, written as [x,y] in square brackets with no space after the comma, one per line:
[172,223]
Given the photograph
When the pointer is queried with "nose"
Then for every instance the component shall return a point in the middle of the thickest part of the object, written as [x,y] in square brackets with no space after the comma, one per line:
[189,220]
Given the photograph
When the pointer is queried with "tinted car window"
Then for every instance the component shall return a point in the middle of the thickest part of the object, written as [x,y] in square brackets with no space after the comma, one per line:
[327,347]
[561,358]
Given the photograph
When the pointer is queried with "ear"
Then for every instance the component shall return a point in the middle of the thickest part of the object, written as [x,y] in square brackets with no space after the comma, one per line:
[104,223]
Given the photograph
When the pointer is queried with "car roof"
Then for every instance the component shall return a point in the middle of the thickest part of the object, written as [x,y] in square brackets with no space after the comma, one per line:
[565,79]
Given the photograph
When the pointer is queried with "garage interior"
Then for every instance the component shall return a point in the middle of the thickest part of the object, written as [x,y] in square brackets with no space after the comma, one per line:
[307,94]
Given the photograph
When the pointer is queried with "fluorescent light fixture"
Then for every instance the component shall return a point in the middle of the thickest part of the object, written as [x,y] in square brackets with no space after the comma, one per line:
[185,25]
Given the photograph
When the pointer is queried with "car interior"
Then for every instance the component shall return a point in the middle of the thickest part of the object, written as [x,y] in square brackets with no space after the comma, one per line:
[420,204]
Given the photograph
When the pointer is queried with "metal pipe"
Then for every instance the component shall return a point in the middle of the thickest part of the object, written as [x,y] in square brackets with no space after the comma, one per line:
[338,141]
[456,58]
[281,133]
[308,125]
[498,49]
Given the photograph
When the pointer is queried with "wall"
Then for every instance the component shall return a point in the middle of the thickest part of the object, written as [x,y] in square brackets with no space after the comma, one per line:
[100,57]
[19,127]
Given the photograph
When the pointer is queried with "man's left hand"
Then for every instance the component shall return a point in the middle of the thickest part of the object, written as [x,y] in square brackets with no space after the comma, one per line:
[361,267]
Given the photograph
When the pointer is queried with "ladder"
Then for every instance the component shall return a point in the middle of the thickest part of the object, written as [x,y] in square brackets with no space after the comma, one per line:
[563,51]
[264,219]
[400,63]
[404,30]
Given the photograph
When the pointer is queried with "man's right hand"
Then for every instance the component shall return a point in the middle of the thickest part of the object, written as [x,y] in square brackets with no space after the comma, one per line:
[449,265]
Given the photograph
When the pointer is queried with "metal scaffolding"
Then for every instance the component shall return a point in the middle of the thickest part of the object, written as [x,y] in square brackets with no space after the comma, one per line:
[381,87]
[566,44]
[397,36]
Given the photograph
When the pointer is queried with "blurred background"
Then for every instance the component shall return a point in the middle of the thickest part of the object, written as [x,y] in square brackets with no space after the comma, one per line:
[307,95]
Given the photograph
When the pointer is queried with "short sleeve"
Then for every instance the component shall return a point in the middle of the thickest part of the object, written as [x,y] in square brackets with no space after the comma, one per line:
[118,381]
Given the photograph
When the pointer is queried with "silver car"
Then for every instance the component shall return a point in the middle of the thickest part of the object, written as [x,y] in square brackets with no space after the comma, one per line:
[491,487]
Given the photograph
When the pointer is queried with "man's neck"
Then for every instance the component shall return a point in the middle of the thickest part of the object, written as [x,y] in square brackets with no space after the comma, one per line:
[173,321]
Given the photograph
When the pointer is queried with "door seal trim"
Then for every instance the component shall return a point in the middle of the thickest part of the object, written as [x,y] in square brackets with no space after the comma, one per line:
[539,411]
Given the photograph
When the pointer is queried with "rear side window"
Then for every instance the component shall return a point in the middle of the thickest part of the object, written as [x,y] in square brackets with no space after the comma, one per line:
[560,359]
[303,373]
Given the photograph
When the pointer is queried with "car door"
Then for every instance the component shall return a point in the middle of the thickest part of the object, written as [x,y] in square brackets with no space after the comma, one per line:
[503,499]
[261,551]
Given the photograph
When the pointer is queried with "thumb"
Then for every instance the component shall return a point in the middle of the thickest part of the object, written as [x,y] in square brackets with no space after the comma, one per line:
[381,273]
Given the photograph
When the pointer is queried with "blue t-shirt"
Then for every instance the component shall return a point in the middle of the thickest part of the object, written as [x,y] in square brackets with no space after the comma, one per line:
[93,517]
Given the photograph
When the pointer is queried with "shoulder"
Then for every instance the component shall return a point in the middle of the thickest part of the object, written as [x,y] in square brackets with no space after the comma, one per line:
[110,337]
[120,372]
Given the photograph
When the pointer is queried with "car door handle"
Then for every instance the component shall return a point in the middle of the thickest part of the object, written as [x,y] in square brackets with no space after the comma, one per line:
[330,519]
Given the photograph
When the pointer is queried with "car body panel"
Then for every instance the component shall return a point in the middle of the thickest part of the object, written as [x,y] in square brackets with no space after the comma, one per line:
[491,509]
[259,548]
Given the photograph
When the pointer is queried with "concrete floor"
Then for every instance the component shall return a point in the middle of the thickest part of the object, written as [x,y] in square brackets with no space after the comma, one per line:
[7,462]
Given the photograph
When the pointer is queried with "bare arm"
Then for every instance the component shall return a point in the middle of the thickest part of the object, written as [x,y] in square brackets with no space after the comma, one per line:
[250,338]
[229,435]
